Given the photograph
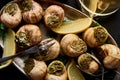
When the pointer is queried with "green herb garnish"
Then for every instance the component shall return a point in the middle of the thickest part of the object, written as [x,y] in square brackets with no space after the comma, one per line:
[2,31]
[95,24]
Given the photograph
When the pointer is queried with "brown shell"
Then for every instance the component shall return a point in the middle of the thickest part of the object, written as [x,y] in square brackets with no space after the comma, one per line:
[33,34]
[11,20]
[112,58]
[54,77]
[39,70]
[51,53]
[70,39]
[87,64]
[50,76]
[34,15]
[54,9]
[90,39]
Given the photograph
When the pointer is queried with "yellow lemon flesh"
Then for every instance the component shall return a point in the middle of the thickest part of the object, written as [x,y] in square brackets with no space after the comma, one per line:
[73,72]
[75,26]
[9,47]
[93,5]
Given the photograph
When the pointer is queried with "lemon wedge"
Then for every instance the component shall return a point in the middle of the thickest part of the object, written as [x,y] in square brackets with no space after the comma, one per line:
[93,5]
[9,47]
[74,26]
[73,72]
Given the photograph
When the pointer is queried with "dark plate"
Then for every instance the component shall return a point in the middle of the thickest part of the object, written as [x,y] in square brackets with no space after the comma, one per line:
[70,13]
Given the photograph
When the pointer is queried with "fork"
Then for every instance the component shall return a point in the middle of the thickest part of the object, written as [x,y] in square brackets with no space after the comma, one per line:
[40,47]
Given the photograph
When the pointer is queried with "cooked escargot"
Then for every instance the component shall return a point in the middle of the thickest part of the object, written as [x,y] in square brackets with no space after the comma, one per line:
[103,5]
[87,64]
[95,36]
[28,35]
[32,11]
[49,54]
[72,45]
[35,69]
[54,15]
[109,54]
[11,15]
[56,71]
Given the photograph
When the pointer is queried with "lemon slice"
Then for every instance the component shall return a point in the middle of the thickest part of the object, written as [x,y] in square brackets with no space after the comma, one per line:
[9,47]
[93,5]
[73,72]
[75,26]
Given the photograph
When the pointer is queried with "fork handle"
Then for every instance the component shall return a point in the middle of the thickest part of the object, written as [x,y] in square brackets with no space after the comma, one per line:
[9,57]
[25,52]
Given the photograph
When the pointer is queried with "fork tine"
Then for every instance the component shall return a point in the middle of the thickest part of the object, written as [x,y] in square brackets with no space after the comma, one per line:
[46,47]
[45,42]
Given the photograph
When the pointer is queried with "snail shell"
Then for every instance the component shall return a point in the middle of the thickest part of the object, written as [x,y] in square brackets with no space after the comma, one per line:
[103,5]
[33,15]
[37,70]
[54,15]
[56,71]
[87,64]
[11,15]
[28,35]
[72,45]
[110,55]
[49,54]
[95,36]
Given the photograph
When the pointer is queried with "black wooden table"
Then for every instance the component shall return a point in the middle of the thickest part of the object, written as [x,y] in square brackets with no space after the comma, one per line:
[112,24]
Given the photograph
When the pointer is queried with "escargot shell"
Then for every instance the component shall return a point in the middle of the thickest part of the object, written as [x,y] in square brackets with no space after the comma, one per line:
[95,36]
[87,64]
[72,45]
[49,54]
[34,14]
[28,35]
[56,71]
[11,15]
[109,54]
[54,15]
[35,69]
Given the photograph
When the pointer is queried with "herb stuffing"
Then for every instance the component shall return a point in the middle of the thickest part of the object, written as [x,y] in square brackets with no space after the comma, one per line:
[56,67]
[29,64]
[100,34]
[11,9]
[25,5]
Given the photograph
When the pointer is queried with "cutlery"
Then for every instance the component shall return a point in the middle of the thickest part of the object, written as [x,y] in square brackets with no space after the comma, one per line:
[40,47]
